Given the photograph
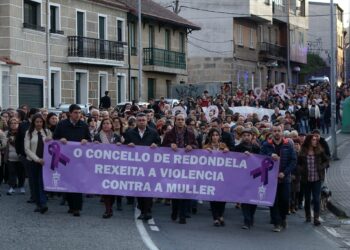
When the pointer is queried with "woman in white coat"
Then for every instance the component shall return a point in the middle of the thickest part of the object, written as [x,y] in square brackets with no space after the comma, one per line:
[34,148]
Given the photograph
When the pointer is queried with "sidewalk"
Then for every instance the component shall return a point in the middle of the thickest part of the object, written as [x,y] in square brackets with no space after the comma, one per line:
[338,178]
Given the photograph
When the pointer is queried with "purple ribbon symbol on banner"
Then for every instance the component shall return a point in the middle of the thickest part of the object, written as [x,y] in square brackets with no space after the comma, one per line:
[263,171]
[57,157]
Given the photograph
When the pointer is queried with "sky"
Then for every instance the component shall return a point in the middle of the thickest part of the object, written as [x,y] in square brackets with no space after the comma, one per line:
[344,4]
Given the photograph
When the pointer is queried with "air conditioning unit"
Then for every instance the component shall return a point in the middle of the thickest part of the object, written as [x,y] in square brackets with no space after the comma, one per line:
[267,2]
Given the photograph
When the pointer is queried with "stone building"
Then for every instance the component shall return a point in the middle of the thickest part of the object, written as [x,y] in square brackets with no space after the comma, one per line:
[92,47]
[320,31]
[245,41]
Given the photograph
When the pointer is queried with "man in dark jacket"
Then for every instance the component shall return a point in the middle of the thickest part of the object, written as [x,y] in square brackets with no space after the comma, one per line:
[281,148]
[180,137]
[143,135]
[19,145]
[247,146]
[73,129]
[105,102]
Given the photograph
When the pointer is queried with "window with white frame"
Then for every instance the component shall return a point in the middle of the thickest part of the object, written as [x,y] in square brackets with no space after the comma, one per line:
[121,91]
[252,38]
[55,18]
[55,87]
[132,87]
[120,29]
[32,14]
[239,35]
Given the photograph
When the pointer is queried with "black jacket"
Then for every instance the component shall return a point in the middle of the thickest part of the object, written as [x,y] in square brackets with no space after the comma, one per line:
[19,143]
[150,136]
[105,102]
[66,129]
[228,139]
[250,147]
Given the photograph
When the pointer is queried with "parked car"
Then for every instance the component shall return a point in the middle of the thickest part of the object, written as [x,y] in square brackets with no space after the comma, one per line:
[65,108]
[172,102]
[316,81]
[122,104]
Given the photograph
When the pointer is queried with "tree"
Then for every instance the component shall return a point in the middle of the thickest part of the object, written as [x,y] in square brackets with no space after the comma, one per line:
[314,63]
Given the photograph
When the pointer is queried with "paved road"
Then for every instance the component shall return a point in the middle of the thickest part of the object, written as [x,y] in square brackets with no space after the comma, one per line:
[21,228]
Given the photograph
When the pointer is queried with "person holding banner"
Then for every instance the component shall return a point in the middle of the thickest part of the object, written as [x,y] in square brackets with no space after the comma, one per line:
[215,144]
[107,135]
[281,148]
[180,137]
[142,135]
[247,146]
[73,129]
[34,149]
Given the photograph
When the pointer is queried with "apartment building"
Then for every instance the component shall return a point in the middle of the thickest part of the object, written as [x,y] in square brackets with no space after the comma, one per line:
[164,49]
[246,41]
[92,48]
[319,33]
[261,43]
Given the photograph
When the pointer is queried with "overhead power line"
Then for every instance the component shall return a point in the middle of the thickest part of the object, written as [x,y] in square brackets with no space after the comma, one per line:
[208,50]
[240,14]
[198,39]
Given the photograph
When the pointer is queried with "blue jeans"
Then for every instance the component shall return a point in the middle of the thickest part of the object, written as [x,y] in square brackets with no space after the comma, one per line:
[279,210]
[313,188]
[248,211]
[304,126]
[38,184]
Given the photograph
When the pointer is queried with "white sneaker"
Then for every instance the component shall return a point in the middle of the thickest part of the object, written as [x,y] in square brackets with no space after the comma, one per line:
[11,191]
[22,190]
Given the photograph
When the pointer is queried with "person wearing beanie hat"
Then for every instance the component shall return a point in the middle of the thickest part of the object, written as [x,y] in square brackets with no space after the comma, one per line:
[247,146]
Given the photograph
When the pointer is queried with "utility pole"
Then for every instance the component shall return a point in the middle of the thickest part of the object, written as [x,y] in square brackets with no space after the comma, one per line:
[333,83]
[48,58]
[289,72]
[177,7]
[140,51]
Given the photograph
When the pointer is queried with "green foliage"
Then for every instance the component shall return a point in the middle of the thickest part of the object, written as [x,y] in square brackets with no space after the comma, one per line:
[314,62]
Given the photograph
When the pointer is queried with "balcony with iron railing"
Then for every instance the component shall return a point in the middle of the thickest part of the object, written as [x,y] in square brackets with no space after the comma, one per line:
[162,60]
[95,51]
[272,51]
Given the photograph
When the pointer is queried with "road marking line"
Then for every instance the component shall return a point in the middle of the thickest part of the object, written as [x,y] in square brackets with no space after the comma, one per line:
[143,232]
[329,137]
[151,222]
[154,228]
[332,231]
[347,242]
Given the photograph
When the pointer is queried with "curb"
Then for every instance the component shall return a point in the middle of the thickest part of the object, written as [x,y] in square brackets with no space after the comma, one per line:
[332,205]
[337,209]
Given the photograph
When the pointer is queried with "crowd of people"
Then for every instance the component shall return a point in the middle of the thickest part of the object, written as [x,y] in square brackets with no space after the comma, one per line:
[293,137]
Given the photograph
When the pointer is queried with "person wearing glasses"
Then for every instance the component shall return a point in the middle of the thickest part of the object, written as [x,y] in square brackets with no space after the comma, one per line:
[73,129]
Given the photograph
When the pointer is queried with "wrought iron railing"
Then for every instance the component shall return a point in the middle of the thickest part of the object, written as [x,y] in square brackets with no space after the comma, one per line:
[95,48]
[272,49]
[165,58]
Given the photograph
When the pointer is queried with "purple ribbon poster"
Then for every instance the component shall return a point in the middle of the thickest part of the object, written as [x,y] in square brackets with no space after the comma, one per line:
[160,172]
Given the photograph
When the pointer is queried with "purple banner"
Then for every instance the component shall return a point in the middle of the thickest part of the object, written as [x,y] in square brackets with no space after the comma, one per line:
[161,173]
